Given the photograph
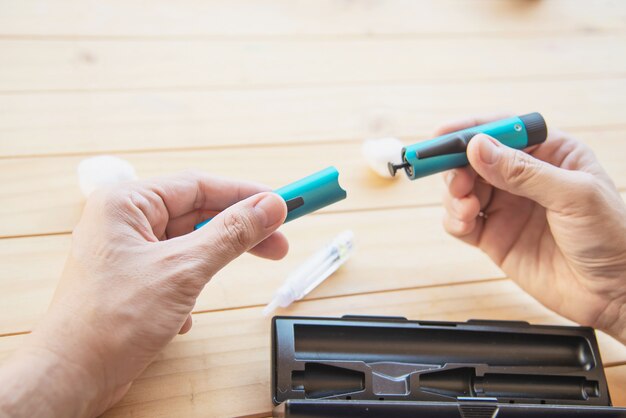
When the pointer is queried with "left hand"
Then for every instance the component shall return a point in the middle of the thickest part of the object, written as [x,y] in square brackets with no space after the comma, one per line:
[551,218]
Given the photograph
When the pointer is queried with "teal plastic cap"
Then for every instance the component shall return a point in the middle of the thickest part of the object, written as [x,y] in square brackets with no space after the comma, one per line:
[308,194]
[311,193]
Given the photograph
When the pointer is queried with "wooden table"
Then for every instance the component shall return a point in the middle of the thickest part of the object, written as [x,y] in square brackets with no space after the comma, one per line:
[272,91]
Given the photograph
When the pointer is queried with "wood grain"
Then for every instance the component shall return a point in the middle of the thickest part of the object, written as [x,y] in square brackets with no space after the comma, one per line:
[225,357]
[41,196]
[207,384]
[62,123]
[274,90]
[616,377]
[80,65]
[31,268]
[161,18]
[386,258]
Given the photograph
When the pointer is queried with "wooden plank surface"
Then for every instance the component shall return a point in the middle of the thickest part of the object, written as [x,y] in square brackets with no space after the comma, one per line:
[81,65]
[273,90]
[225,357]
[42,195]
[387,258]
[616,376]
[162,18]
[70,123]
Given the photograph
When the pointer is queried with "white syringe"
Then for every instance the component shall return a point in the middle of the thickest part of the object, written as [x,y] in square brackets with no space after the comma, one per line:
[313,272]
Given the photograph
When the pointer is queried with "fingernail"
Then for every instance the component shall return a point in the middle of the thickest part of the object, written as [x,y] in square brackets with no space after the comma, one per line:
[489,150]
[270,208]
[450,176]
[456,204]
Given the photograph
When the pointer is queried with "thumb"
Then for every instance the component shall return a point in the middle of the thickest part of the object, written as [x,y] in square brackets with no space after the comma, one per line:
[521,174]
[238,229]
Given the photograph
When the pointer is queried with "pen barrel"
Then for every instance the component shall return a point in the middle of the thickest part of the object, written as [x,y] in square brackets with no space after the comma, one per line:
[449,151]
[308,194]
[312,193]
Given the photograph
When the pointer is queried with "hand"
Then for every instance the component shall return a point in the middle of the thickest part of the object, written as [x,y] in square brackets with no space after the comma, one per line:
[131,280]
[551,218]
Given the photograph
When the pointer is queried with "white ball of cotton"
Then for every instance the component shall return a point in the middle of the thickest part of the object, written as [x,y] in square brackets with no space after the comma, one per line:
[379,152]
[103,170]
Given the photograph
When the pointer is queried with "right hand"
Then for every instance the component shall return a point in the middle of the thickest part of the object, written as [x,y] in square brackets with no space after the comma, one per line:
[130,283]
[552,219]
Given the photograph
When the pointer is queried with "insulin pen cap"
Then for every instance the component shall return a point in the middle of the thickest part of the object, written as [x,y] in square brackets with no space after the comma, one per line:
[308,194]
[312,193]
[536,128]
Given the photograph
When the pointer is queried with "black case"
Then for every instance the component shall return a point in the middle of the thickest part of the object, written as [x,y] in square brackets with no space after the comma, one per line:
[390,367]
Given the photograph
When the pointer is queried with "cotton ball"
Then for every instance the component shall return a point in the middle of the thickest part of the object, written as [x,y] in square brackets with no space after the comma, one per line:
[379,152]
[103,170]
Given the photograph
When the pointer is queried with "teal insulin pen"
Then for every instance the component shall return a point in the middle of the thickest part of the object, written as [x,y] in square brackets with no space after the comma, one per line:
[308,194]
[449,151]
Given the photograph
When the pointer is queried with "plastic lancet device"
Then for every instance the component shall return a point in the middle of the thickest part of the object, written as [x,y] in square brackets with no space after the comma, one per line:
[449,151]
[313,272]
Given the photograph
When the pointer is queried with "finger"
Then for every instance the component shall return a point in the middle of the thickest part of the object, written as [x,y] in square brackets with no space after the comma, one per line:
[235,230]
[186,326]
[468,232]
[195,190]
[521,174]
[458,228]
[165,198]
[274,247]
[465,123]
[463,209]
[564,151]
[483,191]
[460,181]
[185,224]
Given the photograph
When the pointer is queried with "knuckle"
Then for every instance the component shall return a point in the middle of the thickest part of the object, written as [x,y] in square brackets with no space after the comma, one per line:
[136,198]
[102,195]
[451,225]
[521,169]
[111,200]
[591,190]
[237,232]
[146,197]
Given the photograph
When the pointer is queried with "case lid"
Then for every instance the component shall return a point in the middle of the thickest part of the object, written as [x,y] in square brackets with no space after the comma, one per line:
[377,409]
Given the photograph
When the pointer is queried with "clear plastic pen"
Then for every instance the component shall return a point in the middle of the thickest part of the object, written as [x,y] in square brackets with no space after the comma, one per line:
[313,272]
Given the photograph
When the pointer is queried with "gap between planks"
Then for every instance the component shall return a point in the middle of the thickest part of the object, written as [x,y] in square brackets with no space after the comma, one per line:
[326,212]
[313,85]
[357,294]
[316,37]
[104,122]
[301,19]
[365,293]
[292,144]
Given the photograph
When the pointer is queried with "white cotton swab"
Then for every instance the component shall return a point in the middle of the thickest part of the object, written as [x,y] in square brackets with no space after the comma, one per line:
[103,170]
[378,153]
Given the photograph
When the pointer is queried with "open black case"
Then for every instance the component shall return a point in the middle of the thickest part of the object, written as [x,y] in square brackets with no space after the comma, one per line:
[391,367]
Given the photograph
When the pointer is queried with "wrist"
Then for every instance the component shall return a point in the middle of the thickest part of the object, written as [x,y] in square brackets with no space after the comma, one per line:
[56,373]
[37,382]
[613,319]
